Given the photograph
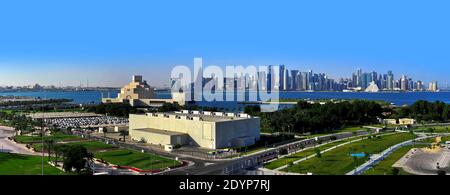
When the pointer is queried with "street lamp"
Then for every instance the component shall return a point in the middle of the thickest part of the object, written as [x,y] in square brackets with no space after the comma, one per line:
[42,139]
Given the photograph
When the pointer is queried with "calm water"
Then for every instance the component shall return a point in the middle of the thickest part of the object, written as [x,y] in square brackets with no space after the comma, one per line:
[396,98]
[77,96]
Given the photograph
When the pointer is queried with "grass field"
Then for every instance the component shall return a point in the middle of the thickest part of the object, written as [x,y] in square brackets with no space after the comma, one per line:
[385,166]
[434,129]
[112,154]
[297,156]
[91,146]
[343,130]
[16,164]
[58,137]
[339,162]
[139,160]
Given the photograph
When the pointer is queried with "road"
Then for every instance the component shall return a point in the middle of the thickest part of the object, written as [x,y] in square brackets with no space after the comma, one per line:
[239,165]
[327,150]
[9,146]
[201,166]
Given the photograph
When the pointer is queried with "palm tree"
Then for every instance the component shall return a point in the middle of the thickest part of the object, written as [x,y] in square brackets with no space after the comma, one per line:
[49,145]
[57,150]
[123,133]
[105,130]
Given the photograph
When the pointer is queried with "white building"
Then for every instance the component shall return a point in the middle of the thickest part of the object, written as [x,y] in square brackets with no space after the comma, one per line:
[211,130]
[372,88]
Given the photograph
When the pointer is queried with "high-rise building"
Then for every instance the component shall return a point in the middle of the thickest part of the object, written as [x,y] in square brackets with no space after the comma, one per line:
[419,86]
[305,80]
[269,78]
[282,77]
[262,82]
[294,80]
[354,80]
[285,81]
[404,83]
[433,86]
[390,81]
[359,78]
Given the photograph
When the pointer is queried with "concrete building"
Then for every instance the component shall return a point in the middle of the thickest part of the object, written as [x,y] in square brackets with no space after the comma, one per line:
[138,93]
[213,130]
[390,121]
[402,121]
[113,129]
[406,121]
[433,86]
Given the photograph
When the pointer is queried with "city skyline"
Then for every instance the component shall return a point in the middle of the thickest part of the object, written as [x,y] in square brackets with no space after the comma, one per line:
[358,78]
[282,78]
[48,43]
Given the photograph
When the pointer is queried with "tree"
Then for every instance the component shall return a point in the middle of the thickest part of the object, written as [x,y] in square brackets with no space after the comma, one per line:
[318,153]
[104,130]
[49,145]
[57,150]
[168,107]
[441,172]
[318,118]
[395,171]
[123,133]
[76,157]
[252,110]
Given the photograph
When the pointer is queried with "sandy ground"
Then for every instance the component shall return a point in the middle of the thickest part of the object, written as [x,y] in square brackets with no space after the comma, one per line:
[423,162]
[9,146]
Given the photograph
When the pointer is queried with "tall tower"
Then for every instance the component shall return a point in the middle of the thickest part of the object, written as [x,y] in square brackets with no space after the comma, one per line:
[390,81]
[282,77]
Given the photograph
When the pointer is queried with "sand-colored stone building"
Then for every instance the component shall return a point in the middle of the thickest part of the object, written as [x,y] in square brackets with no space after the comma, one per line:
[138,93]
[213,130]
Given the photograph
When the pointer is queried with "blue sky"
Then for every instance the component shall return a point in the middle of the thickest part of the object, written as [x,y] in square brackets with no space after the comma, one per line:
[69,41]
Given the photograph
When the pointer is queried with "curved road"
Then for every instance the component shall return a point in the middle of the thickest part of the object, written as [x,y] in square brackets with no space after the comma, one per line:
[10,147]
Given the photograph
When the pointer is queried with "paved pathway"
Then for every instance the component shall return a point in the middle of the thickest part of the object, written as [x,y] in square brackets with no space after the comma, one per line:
[373,161]
[9,146]
[327,150]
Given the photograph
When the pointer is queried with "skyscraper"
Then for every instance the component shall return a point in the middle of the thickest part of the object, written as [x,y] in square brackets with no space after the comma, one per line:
[294,81]
[390,81]
[433,86]
[404,83]
[282,77]
[359,78]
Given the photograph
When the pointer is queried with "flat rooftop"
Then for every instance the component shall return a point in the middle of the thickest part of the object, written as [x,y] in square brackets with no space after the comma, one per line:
[211,117]
[159,131]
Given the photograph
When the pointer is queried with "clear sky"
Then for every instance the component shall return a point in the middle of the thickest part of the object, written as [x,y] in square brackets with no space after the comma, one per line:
[106,41]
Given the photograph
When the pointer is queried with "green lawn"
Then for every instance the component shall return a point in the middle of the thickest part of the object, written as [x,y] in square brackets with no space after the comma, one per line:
[136,159]
[16,164]
[444,139]
[58,137]
[339,162]
[297,156]
[385,166]
[343,130]
[91,146]
[435,129]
